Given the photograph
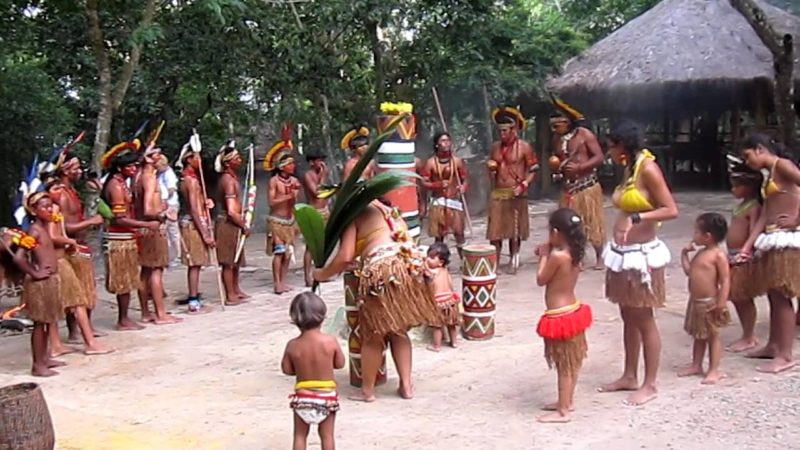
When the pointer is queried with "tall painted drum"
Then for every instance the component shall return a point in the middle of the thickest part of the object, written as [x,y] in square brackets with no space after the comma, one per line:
[479,279]
[398,153]
[354,340]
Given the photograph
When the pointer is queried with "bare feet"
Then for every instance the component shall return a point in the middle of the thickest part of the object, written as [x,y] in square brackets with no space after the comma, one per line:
[362,397]
[55,363]
[690,370]
[98,333]
[167,320]
[62,351]
[235,302]
[128,325]
[42,372]
[74,340]
[777,365]
[243,295]
[742,345]
[623,384]
[148,318]
[642,396]
[554,407]
[765,352]
[406,392]
[433,348]
[555,417]
[453,344]
[599,266]
[97,350]
[713,377]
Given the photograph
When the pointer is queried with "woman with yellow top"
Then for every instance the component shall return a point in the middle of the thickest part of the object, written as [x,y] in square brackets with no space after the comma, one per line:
[636,258]
[392,294]
[776,240]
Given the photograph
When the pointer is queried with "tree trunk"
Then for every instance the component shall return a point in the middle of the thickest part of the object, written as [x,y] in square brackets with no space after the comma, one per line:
[111,96]
[487,109]
[377,56]
[782,49]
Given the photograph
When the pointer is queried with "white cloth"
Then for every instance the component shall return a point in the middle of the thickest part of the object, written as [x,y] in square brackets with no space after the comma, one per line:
[639,257]
[448,203]
[314,410]
[777,240]
[168,180]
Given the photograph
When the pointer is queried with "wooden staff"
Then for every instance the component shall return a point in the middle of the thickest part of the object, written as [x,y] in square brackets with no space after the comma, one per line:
[458,175]
[212,252]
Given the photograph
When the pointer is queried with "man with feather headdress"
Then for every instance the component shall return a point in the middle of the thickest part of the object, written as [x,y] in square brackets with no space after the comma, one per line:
[119,238]
[284,189]
[153,242]
[230,223]
[577,157]
[512,167]
[356,140]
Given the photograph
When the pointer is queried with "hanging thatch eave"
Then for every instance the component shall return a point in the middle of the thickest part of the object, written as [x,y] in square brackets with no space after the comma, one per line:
[680,57]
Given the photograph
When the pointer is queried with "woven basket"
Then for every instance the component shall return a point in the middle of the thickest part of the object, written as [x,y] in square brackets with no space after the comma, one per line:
[24,419]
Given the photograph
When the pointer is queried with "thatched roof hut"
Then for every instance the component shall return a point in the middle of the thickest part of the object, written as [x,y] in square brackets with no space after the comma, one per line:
[680,57]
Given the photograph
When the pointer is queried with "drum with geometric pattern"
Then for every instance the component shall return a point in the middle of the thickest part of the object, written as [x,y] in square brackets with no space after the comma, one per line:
[397,152]
[479,279]
[354,339]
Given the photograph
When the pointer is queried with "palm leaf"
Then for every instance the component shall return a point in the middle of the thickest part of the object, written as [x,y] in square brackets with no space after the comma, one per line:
[104,210]
[312,226]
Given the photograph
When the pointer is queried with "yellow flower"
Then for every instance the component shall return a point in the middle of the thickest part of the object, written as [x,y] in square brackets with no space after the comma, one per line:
[58,217]
[390,108]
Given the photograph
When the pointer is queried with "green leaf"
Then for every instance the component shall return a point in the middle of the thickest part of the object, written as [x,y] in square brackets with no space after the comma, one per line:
[312,226]
[104,210]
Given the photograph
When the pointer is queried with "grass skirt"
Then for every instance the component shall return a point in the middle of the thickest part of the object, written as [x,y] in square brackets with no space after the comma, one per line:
[778,270]
[703,320]
[743,281]
[508,216]
[42,299]
[566,355]
[153,248]
[393,294]
[122,266]
[280,231]
[84,269]
[72,291]
[227,237]
[194,251]
[448,303]
[588,203]
[626,289]
[443,221]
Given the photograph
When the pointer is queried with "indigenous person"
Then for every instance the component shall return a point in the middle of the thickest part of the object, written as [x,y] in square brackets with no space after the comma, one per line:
[42,294]
[565,321]
[419,168]
[168,186]
[63,193]
[196,235]
[579,155]
[776,241]
[512,166]
[356,141]
[312,358]
[441,286]
[745,186]
[119,238]
[230,223]
[636,258]
[284,188]
[445,175]
[313,180]
[709,286]
[153,242]
[391,291]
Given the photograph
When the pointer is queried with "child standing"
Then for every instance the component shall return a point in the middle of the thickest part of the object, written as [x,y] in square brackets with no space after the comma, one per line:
[746,186]
[312,358]
[441,286]
[565,321]
[709,287]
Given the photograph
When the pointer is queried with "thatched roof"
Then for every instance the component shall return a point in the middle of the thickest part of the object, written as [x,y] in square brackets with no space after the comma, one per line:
[681,56]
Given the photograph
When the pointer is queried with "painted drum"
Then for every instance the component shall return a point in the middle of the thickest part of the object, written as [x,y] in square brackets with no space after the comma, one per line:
[398,153]
[479,280]
[354,340]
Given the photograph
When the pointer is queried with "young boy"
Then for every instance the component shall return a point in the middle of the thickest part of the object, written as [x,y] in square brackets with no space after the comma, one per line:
[746,186]
[41,292]
[441,286]
[312,358]
[709,287]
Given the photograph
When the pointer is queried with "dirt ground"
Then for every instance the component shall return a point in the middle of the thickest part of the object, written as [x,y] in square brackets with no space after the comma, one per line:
[214,382]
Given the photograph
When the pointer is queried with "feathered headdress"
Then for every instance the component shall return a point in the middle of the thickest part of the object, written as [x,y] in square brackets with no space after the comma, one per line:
[738,169]
[357,135]
[566,109]
[225,153]
[61,159]
[133,144]
[152,139]
[193,146]
[505,115]
[30,191]
[275,156]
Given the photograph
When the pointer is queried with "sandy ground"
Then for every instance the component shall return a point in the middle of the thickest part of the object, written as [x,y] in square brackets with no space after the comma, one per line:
[214,381]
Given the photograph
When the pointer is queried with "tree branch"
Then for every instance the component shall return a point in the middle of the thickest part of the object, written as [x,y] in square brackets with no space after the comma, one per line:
[126,74]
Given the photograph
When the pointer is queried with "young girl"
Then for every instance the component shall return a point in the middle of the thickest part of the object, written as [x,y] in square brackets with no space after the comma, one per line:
[709,287]
[564,322]
[312,358]
[441,286]
[745,185]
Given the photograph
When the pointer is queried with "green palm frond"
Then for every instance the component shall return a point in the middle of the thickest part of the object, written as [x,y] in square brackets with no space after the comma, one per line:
[312,226]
